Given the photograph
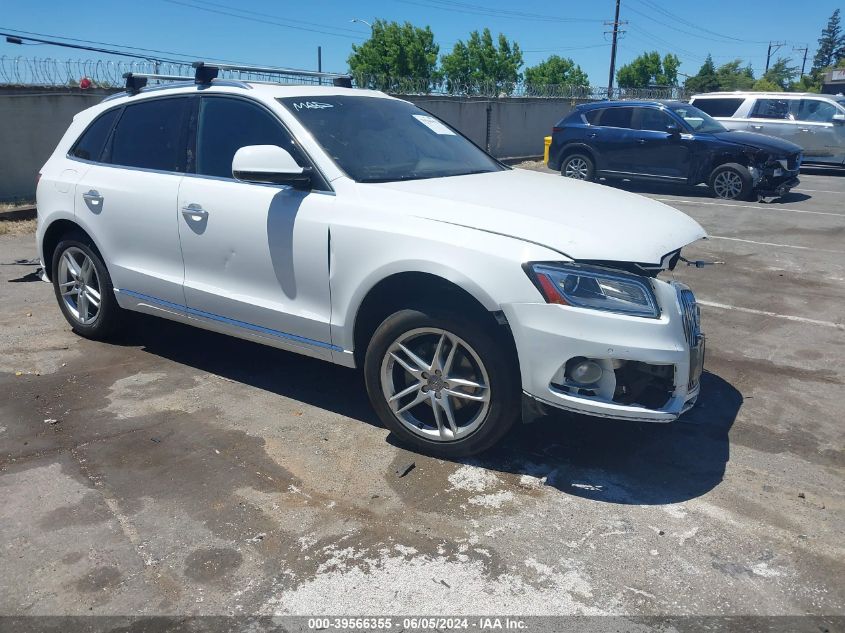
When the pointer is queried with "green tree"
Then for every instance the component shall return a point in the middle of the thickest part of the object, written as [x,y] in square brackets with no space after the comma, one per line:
[733,76]
[765,85]
[706,79]
[781,74]
[831,45]
[649,70]
[395,52]
[480,60]
[556,71]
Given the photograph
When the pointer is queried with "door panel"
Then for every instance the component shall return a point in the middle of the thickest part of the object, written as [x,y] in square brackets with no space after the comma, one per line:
[658,153]
[257,256]
[613,139]
[821,138]
[132,215]
[128,198]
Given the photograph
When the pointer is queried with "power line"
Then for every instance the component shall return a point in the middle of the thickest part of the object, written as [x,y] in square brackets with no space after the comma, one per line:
[563,48]
[673,16]
[475,9]
[262,21]
[685,32]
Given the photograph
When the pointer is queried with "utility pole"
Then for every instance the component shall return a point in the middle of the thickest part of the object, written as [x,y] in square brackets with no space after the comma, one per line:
[319,59]
[804,63]
[616,32]
[772,45]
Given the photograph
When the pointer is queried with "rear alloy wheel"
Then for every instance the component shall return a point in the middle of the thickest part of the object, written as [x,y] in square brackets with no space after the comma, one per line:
[731,182]
[578,166]
[83,288]
[442,386]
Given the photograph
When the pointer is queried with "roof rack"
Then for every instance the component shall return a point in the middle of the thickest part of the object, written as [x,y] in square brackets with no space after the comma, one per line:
[205,73]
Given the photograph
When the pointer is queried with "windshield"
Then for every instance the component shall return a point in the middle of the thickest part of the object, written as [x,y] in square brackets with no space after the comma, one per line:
[381,140]
[697,119]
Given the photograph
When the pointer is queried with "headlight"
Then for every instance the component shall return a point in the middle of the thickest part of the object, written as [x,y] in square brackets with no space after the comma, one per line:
[595,288]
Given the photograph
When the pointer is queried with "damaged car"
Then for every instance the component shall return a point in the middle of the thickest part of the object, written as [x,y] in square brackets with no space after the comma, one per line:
[353,227]
[672,142]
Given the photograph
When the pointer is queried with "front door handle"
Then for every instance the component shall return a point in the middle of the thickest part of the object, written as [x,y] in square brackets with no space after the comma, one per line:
[757,127]
[93,197]
[592,135]
[641,141]
[194,212]
[805,129]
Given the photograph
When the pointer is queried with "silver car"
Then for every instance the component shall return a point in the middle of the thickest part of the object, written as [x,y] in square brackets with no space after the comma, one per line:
[813,121]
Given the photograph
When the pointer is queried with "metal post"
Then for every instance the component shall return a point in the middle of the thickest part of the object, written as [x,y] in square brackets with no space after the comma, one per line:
[319,59]
[613,52]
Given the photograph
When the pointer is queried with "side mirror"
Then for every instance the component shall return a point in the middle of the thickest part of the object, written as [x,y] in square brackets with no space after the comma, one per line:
[839,118]
[269,164]
[673,129]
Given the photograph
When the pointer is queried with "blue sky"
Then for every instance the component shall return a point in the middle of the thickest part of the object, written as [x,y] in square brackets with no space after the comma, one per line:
[287,33]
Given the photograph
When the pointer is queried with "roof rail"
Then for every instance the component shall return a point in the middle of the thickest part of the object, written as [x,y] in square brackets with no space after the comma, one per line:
[136,81]
[205,73]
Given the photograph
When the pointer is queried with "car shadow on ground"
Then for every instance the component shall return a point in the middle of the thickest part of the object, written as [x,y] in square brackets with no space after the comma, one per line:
[698,192]
[603,460]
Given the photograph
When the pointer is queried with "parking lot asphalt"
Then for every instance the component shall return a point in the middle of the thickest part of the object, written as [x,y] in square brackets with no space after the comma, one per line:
[177,471]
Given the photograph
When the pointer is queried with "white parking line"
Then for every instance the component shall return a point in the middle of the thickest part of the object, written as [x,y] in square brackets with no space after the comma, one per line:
[817,190]
[788,317]
[803,248]
[757,207]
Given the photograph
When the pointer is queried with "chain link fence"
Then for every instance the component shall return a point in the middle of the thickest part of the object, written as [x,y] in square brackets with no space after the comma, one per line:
[49,72]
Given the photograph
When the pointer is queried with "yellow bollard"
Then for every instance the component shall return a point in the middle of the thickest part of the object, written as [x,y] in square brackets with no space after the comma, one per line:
[547,141]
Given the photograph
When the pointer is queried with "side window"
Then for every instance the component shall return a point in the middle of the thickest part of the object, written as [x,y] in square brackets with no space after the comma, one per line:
[151,135]
[592,116]
[771,109]
[226,125]
[617,117]
[719,107]
[655,120]
[816,111]
[90,144]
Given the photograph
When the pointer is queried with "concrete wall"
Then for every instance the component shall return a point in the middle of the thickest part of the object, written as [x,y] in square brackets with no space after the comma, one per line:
[32,120]
[517,125]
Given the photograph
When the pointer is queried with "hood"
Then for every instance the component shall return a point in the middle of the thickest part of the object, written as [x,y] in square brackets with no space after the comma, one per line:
[775,146]
[581,220]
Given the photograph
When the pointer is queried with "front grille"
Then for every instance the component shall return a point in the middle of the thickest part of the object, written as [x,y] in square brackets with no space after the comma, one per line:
[689,313]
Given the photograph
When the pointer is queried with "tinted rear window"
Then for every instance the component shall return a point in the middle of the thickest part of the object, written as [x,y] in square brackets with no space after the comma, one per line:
[151,135]
[771,109]
[718,107]
[616,117]
[90,145]
[592,116]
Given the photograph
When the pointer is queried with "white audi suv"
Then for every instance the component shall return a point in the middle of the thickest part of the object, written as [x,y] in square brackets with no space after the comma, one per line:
[354,227]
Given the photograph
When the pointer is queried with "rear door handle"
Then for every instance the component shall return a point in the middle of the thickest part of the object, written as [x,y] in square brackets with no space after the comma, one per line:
[93,197]
[641,141]
[757,127]
[592,135]
[194,212]
[805,129]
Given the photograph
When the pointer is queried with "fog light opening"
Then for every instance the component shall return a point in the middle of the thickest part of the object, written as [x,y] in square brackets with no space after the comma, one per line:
[583,371]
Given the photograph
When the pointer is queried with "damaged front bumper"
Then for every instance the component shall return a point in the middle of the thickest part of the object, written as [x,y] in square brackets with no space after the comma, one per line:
[651,367]
[777,177]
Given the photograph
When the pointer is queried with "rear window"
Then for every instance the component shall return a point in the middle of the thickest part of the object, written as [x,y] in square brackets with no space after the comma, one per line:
[771,109]
[592,116]
[90,144]
[616,117]
[719,107]
[151,135]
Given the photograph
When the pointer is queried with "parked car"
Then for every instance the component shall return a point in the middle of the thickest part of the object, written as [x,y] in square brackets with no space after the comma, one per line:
[354,227]
[671,142]
[813,121]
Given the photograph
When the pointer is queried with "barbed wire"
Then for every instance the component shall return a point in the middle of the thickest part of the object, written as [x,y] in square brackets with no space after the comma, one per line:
[49,72]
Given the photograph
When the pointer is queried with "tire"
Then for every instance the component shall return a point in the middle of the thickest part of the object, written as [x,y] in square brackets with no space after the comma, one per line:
[731,181]
[474,355]
[579,167]
[88,316]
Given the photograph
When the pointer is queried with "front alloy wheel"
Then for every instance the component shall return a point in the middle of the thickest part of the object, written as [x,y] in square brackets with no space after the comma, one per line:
[443,383]
[435,384]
